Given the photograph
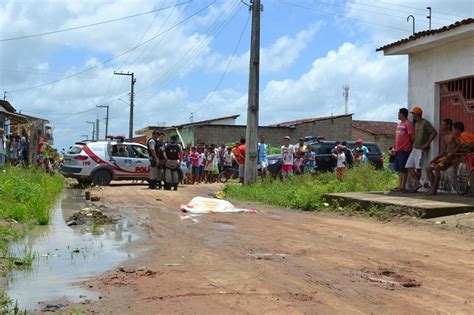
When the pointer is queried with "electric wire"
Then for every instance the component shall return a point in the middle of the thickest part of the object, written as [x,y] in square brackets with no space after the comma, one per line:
[87,25]
[210,95]
[116,56]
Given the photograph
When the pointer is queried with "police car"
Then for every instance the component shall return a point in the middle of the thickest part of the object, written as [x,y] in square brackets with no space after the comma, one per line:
[100,162]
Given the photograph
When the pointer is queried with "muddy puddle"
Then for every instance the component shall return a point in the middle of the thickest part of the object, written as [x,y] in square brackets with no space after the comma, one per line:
[66,255]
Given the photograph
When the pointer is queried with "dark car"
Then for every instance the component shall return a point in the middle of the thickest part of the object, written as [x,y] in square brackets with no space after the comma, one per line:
[325,162]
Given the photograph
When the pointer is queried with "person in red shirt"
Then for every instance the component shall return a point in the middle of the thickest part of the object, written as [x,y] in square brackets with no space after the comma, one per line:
[239,154]
[404,137]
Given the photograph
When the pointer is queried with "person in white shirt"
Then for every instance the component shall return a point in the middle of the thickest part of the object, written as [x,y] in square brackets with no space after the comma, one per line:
[288,156]
[341,161]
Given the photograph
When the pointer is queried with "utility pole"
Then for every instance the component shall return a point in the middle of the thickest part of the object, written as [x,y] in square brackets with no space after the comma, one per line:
[106,120]
[429,16]
[250,176]
[93,128]
[130,126]
[97,129]
[191,117]
[86,136]
[5,95]
[345,88]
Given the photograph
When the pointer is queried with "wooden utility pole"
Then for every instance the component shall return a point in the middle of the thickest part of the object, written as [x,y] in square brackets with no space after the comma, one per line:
[106,120]
[251,155]
[132,95]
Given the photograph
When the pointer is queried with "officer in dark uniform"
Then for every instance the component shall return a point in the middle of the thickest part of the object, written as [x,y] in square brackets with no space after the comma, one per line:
[172,154]
[157,160]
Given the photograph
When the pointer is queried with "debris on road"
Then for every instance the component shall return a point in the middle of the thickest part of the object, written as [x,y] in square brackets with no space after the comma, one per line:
[52,307]
[87,216]
[211,205]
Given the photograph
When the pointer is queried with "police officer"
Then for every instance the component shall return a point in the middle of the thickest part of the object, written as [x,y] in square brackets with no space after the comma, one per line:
[172,154]
[155,147]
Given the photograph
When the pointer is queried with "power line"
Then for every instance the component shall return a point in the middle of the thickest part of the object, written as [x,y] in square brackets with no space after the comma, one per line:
[116,56]
[208,99]
[88,25]
[414,8]
[172,73]
[341,16]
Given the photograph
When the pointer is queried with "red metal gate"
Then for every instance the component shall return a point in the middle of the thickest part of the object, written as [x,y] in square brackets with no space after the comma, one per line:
[457,102]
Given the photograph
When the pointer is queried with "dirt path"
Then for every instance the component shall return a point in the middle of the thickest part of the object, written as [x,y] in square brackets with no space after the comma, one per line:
[280,262]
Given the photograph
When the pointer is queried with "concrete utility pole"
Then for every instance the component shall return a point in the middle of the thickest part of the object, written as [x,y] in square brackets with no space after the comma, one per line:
[130,126]
[93,128]
[97,129]
[251,160]
[106,120]
[345,88]
[429,16]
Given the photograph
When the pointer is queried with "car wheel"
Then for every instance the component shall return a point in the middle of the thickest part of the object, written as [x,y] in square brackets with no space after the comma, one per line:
[102,178]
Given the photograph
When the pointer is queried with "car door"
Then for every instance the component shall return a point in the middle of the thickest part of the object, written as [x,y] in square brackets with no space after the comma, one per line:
[324,159]
[141,159]
[122,159]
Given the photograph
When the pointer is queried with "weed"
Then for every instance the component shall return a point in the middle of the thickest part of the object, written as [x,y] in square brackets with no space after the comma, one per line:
[95,227]
[306,191]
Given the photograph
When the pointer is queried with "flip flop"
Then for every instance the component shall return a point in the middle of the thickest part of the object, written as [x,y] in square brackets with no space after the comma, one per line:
[398,189]
[412,191]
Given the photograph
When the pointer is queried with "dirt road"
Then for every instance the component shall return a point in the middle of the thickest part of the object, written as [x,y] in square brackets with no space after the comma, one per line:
[280,262]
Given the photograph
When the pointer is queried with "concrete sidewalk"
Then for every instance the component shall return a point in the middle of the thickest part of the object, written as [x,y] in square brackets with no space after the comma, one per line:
[415,204]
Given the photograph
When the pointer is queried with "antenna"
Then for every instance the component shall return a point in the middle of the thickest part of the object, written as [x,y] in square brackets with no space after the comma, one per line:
[345,93]
[191,117]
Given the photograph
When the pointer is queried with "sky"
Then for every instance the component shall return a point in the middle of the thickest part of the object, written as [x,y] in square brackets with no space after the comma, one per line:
[193,57]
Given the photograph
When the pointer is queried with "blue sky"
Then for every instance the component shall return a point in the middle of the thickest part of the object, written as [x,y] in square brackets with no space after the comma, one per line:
[309,49]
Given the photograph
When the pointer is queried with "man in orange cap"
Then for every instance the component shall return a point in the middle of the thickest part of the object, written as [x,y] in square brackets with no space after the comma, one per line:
[423,136]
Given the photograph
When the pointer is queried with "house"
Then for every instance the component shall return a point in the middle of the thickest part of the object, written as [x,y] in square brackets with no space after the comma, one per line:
[381,132]
[36,130]
[440,73]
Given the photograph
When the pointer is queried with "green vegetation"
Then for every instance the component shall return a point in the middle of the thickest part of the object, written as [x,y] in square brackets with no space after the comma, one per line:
[306,192]
[26,197]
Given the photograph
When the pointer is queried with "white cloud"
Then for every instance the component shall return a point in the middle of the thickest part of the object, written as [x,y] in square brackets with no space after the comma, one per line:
[281,54]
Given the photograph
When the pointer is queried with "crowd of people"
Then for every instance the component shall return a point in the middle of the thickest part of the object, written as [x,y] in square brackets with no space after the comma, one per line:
[412,142]
[13,149]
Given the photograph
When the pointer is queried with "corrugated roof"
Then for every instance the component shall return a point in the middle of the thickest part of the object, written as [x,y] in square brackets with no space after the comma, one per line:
[375,127]
[306,121]
[427,33]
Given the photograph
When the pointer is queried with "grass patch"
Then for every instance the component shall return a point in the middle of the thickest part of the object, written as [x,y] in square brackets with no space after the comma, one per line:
[306,192]
[26,197]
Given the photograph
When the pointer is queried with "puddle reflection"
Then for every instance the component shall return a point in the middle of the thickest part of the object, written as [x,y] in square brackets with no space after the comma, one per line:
[66,255]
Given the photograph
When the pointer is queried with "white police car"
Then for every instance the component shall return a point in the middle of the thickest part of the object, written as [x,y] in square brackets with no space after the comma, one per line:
[99,162]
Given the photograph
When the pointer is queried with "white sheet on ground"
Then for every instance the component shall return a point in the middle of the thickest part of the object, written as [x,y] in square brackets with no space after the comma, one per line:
[210,205]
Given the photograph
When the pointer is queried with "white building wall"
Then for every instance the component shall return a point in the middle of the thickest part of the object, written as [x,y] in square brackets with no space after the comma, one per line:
[427,68]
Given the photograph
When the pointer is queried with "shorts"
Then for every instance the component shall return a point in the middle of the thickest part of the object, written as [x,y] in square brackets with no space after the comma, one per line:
[241,170]
[444,163]
[415,159]
[196,170]
[287,170]
[263,166]
[401,158]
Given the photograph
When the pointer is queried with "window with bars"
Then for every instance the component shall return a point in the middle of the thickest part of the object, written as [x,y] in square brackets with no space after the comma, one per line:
[465,86]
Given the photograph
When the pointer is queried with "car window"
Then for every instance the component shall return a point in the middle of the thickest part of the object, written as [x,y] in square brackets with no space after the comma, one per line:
[139,152]
[75,150]
[327,148]
[120,150]
[316,148]
[373,149]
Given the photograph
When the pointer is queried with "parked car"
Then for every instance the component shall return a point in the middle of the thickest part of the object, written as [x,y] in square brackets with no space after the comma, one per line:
[324,160]
[100,162]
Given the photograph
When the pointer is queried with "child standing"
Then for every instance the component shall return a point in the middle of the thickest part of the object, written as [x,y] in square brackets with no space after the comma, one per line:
[209,166]
[341,161]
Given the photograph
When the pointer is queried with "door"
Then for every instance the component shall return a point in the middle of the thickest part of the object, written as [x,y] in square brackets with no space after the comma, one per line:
[457,102]
[140,157]
[121,157]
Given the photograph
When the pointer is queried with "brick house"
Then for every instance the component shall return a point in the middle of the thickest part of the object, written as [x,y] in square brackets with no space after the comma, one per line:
[381,132]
